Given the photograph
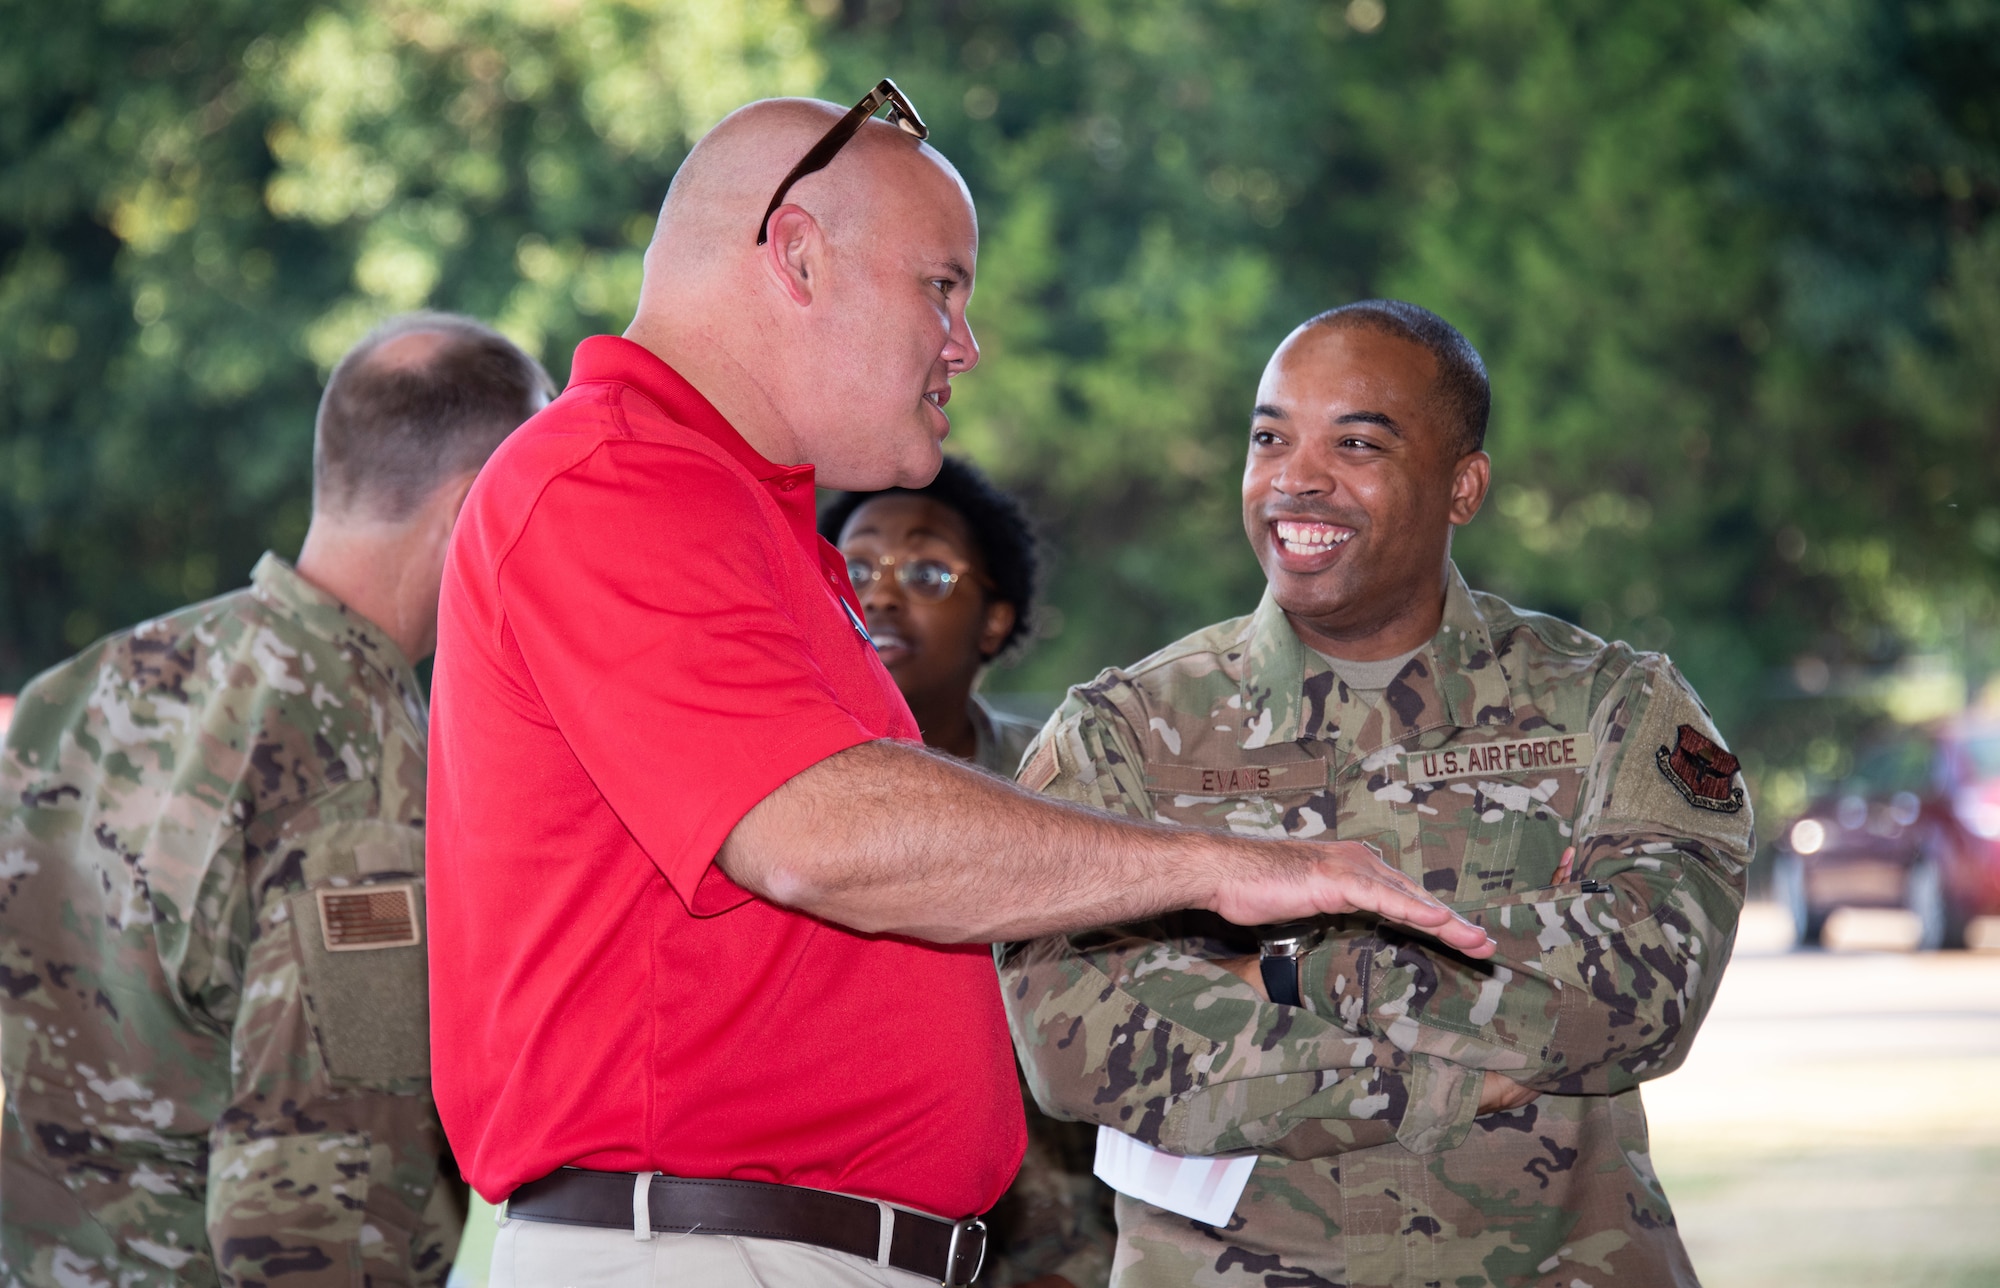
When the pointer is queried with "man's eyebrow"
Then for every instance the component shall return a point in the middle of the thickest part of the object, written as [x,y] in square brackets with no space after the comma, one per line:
[1371,418]
[1266,411]
[957,272]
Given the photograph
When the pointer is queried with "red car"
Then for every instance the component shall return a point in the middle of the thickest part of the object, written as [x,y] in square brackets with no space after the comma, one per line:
[1917,826]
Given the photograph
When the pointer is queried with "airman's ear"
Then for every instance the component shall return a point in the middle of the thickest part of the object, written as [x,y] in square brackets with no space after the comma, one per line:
[792,252]
[993,632]
[1474,474]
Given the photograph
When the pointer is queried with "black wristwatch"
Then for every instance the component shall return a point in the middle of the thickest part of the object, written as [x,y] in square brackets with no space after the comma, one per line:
[1279,949]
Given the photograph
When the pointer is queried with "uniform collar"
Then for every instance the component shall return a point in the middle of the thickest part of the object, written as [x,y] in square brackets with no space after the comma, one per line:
[1289,693]
[320,615]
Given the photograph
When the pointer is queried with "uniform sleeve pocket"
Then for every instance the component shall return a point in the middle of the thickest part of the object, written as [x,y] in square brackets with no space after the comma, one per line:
[366,978]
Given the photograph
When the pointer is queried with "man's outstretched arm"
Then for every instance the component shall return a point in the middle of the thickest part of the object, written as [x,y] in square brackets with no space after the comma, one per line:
[891,838]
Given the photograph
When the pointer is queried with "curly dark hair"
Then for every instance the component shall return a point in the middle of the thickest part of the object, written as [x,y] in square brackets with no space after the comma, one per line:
[1000,528]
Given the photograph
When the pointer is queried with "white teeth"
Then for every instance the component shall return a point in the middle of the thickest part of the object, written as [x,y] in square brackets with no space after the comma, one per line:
[1310,538]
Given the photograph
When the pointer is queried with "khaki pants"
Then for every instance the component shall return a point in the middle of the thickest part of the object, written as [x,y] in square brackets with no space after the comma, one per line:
[539,1254]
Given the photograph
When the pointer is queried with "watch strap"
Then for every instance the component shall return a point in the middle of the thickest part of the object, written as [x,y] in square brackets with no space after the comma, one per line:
[1281,979]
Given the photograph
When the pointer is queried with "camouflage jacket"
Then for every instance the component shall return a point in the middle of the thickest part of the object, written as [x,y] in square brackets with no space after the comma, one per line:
[213,1014]
[1508,739]
[1055,1219]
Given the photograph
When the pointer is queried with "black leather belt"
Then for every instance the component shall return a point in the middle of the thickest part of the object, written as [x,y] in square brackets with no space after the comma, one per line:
[951,1252]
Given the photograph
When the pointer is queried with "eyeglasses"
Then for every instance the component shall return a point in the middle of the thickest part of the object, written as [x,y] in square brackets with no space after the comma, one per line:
[931,580]
[901,114]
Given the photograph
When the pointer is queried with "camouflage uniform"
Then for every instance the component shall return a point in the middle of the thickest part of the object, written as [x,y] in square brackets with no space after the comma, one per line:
[1506,740]
[211,974]
[1055,1219]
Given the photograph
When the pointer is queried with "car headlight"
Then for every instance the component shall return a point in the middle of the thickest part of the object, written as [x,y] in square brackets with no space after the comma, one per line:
[1979,813]
[1808,836]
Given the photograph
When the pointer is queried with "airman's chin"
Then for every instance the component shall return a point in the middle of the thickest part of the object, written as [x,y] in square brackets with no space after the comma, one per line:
[1305,594]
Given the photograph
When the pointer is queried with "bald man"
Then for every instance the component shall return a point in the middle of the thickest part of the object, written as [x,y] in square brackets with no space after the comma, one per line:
[707,920]
[211,884]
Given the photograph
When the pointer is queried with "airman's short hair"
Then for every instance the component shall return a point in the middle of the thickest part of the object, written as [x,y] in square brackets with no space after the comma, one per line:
[422,399]
[1461,393]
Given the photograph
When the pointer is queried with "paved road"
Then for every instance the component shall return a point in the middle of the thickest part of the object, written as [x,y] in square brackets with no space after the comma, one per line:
[1838,1122]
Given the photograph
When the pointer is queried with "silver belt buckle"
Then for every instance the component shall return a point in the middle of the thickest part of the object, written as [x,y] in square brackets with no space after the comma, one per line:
[958,1229]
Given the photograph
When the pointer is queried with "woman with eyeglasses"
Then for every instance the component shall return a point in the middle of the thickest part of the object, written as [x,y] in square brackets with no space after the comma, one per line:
[946,577]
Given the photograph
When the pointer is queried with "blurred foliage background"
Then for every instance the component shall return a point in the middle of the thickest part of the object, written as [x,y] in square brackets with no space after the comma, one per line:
[1734,265]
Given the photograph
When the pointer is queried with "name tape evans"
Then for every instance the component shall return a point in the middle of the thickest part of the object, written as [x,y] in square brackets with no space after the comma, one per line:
[1516,756]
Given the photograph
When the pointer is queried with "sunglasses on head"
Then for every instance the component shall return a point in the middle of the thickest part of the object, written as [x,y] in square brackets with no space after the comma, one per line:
[901,114]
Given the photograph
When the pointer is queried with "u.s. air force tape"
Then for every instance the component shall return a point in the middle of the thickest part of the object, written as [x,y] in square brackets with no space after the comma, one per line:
[1516,756]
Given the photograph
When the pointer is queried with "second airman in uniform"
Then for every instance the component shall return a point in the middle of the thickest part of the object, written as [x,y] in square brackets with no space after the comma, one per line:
[213,1004]
[1419,1118]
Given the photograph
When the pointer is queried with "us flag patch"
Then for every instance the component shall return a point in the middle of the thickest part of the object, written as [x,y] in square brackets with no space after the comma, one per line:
[377,916]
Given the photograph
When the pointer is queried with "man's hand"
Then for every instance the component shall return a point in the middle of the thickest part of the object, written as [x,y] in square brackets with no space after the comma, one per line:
[1500,1093]
[1345,876]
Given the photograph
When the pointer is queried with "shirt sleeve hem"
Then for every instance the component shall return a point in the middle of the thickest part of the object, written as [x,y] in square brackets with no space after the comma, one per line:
[832,732]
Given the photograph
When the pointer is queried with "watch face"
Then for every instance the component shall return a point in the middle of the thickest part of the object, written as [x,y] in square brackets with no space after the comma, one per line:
[1290,945]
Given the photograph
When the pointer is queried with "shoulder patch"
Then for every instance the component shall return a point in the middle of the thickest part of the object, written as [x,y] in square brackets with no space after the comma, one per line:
[1040,768]
[1701,771]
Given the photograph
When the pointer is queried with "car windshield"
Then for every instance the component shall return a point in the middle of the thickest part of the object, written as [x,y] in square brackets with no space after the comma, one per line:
[1984,755]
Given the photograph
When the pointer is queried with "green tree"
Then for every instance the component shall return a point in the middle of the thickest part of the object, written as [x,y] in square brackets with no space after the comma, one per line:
[203,202]
[1872,142]
[1167,189]
[1732,262]
[1622,204]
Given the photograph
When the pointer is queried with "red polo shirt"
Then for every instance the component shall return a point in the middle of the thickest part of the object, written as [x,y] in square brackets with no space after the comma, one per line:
[641,636]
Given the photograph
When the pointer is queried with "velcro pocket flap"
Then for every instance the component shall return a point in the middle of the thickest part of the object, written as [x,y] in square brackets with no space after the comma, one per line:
[366,978]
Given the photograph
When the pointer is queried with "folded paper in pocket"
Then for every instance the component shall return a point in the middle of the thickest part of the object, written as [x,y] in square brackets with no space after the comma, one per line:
[1204,1189]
